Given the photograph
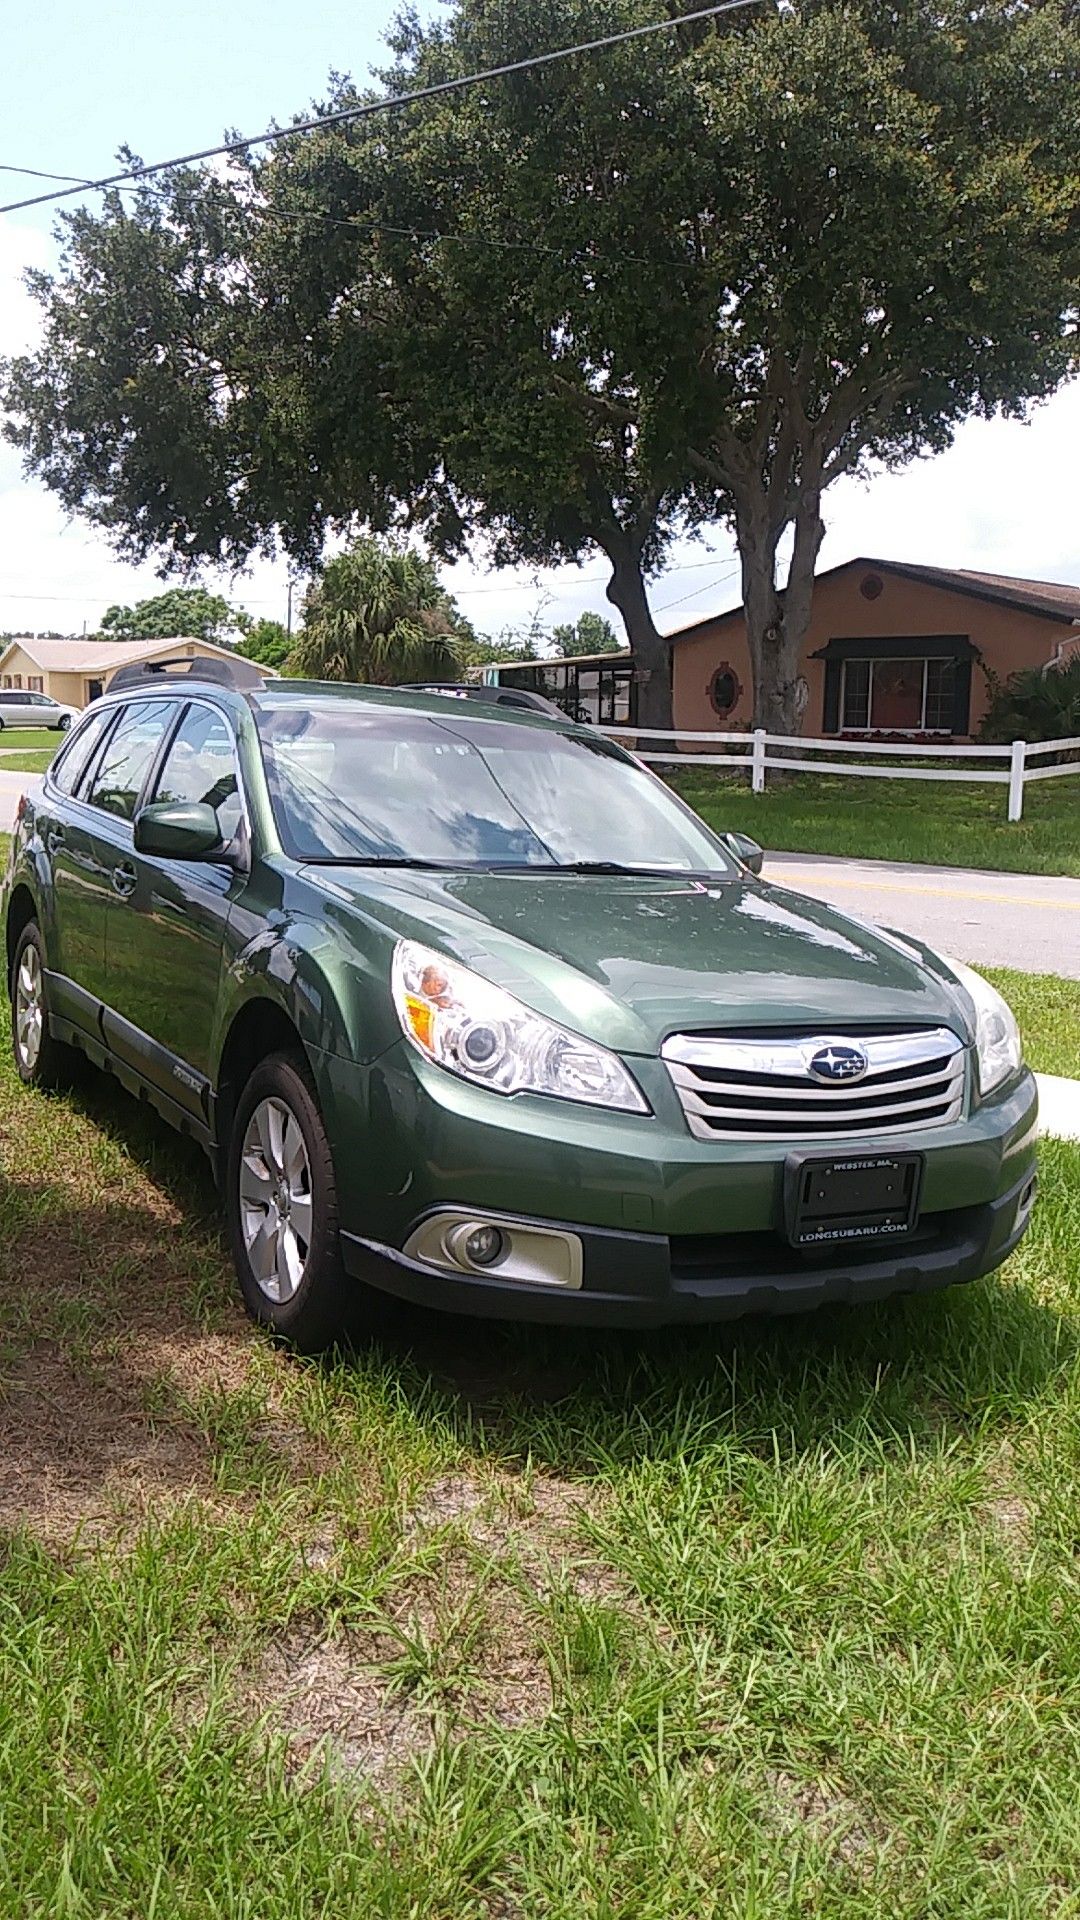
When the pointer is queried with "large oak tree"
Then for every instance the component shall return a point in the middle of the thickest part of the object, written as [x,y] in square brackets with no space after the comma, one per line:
[589,307]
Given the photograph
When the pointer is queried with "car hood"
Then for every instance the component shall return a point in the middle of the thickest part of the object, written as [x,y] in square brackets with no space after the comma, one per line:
[631,959]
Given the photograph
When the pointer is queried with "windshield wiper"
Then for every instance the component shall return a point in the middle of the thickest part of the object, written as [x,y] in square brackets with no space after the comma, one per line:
[616,866]
[379,860]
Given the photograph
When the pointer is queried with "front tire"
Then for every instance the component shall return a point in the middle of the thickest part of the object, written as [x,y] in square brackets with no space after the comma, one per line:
[281,1199]
[64,724]
[40,1061]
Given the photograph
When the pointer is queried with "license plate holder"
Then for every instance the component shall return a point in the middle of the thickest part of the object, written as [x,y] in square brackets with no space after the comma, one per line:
[851,1198]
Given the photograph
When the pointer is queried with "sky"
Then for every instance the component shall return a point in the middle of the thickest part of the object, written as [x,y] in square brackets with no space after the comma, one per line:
[76,81]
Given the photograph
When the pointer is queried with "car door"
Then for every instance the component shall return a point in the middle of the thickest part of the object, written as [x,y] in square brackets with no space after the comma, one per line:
[80,876]
[166,935]
[13,708]
[97,832]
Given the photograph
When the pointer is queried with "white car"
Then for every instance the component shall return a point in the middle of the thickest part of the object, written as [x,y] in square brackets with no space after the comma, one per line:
[34,710]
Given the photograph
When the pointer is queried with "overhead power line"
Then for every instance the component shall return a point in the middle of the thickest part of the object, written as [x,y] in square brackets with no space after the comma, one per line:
[372,107]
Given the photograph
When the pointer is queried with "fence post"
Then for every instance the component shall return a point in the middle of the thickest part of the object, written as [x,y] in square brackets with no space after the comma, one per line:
[1016,780]
[757,762]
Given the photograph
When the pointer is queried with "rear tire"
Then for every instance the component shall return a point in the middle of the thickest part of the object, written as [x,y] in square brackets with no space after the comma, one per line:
[40,1061]
[281,1201]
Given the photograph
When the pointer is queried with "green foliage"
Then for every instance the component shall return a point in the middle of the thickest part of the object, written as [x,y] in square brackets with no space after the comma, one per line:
[267,642]
[377,614]
[182,612]
[589,633]
[594,306]
[1033,705]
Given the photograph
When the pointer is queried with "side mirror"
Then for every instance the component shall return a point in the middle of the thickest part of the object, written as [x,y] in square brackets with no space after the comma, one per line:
[746,851]
[178,830]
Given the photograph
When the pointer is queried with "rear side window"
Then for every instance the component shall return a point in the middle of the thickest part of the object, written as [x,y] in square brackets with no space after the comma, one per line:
[67,769]
[118,778]
[200,765]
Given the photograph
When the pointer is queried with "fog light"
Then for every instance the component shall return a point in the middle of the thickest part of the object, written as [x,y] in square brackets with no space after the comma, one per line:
[484,1245]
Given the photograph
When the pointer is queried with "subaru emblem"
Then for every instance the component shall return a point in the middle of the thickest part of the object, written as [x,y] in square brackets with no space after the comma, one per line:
[838,1062]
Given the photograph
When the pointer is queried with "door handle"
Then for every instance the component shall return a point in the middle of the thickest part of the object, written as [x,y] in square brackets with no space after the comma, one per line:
[54,838]
[124,878]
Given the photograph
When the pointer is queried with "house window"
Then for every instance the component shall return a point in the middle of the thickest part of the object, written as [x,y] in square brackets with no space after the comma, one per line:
[35,683]
[898,696]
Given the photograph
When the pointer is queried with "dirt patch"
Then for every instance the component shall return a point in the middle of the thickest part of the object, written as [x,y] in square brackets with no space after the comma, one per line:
[831,1815]
[446,1658]
[328,1701]
[533,1522]
[84,1460]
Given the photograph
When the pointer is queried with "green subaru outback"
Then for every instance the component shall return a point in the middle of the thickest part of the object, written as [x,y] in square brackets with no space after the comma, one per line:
[466,1006]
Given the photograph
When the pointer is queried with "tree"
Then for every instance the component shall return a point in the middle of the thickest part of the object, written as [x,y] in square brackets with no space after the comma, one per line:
[693,278]
[589,633]
[183,612]
[376,613]
[269,643]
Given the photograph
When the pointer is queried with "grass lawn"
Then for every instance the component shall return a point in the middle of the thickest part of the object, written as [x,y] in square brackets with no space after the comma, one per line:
[943,824]
[25,762]
[489,1622]
[26,738]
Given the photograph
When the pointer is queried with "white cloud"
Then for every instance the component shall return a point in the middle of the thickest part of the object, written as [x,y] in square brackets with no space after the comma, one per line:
[1002,499]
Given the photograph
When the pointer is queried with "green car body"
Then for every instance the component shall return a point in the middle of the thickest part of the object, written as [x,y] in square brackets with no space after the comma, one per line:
[182,974]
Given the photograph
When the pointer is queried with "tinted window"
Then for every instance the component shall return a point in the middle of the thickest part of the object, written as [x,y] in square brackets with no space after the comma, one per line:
[123,767]
[15,699]
[353,783]
[67,769]
[200,765]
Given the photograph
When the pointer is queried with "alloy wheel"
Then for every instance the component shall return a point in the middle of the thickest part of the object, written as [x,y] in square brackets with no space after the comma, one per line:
[29,1009]
[275,1199]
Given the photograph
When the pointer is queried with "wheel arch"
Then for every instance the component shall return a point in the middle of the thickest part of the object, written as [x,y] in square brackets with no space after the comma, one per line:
[22,908]
[260,1027]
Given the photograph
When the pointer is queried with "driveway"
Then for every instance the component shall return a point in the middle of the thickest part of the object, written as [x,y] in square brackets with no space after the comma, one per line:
[992,919]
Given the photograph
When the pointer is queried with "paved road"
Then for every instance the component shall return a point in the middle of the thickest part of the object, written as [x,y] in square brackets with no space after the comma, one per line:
[997,919]
[1000,919]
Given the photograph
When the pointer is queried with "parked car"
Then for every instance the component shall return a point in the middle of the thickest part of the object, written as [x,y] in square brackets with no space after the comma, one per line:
[466,1006]
[19,709]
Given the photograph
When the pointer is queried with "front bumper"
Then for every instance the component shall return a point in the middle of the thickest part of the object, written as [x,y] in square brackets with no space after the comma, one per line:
[671,1229]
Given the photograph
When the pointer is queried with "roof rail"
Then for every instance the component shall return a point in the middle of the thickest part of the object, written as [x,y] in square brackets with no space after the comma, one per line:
[223,673]
[520,697]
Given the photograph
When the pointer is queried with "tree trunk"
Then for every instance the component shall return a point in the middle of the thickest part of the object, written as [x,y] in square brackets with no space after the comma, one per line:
[777,622]
[652,655]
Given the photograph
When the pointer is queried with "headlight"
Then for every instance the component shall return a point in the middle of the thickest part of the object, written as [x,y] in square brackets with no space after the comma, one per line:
[475,1029]
[997,1037]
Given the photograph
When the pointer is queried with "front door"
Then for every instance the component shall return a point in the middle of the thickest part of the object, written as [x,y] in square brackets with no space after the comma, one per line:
[81,880]
[166,937]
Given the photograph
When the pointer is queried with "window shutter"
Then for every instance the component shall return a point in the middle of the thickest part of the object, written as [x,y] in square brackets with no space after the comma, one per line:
[961,718]
[830,722]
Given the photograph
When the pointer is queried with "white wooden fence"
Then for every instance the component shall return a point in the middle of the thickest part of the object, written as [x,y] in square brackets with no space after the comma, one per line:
[1015,775]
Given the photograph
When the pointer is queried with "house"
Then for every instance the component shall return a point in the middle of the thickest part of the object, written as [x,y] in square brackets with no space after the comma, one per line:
[78,671]
[893,649]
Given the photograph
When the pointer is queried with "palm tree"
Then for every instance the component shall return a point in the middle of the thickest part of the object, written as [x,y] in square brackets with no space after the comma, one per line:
[377,614]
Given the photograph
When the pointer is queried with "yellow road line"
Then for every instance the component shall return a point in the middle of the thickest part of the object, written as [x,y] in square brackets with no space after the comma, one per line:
[813,875]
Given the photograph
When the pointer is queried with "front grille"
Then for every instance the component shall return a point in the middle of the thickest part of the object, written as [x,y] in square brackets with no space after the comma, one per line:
[761,1088]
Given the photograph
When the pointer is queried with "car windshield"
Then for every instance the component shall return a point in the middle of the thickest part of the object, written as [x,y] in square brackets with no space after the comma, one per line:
[353,784]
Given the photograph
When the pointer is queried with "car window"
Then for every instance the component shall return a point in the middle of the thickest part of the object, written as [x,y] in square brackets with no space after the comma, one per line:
[117,780]
[201,765]
[69,764]
[352,783]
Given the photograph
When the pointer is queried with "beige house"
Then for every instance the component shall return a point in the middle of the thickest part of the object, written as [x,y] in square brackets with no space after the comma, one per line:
[78,671]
